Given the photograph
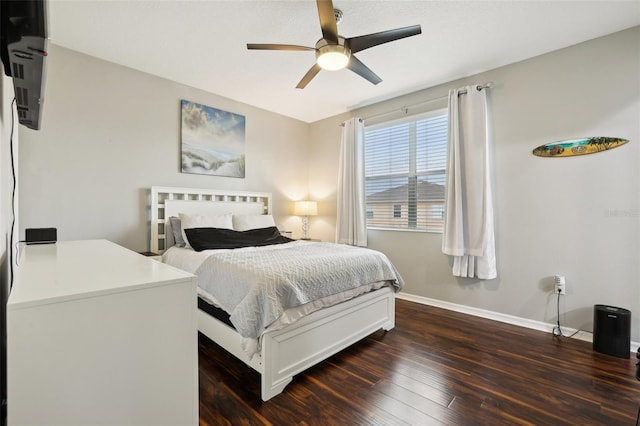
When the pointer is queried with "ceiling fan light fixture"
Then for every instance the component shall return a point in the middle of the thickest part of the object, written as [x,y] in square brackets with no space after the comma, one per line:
[332,57]
[333,52]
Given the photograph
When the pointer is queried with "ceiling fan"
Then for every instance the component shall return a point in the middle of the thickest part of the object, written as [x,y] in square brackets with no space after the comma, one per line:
[334,52]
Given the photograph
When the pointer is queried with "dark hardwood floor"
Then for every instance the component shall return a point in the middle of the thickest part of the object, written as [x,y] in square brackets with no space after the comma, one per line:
[436,367]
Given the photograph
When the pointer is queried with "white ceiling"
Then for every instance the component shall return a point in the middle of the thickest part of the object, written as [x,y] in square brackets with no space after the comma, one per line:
[203,43]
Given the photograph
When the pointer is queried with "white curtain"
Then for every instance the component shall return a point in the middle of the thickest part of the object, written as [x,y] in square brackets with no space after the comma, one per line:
[469,229]
[351,227]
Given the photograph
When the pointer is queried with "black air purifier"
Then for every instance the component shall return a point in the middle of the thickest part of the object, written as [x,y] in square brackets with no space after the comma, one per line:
[612,330]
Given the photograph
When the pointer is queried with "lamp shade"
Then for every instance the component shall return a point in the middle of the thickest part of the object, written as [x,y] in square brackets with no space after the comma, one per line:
[333,61]
[305,208]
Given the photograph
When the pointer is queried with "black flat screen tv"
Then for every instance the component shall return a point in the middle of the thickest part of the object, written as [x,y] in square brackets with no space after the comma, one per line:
[23,49]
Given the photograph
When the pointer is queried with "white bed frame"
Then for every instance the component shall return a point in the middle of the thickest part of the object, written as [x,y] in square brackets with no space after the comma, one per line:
[298,346]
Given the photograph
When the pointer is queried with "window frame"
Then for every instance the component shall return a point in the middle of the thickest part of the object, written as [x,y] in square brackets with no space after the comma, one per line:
[410,209]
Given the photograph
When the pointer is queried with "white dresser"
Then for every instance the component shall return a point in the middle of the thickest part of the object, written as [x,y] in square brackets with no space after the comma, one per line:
[98,334]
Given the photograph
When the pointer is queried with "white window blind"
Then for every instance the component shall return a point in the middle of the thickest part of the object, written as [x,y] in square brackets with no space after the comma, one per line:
[405,165]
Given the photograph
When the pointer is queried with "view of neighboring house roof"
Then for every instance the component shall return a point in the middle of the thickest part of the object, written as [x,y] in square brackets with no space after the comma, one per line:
[427,191]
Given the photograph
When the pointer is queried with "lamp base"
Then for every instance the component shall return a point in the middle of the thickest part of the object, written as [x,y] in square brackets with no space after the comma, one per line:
[305,228]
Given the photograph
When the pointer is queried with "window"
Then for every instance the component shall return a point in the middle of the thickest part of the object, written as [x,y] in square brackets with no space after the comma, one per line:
[438,211]
[405,165]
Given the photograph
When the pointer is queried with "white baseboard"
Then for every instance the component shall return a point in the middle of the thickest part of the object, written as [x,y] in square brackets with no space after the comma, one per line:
[497,316]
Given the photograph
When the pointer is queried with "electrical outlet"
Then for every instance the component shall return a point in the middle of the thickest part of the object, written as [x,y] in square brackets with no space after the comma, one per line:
[560,284]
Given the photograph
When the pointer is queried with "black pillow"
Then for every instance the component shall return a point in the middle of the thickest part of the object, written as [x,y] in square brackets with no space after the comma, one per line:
[218,238]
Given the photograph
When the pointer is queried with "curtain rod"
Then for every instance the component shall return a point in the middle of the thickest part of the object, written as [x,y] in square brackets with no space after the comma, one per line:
[405,109]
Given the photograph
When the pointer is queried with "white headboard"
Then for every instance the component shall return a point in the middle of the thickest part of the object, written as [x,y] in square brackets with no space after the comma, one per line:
[191,200]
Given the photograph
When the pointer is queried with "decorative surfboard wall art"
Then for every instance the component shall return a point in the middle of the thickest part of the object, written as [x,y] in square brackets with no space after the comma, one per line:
[583,146]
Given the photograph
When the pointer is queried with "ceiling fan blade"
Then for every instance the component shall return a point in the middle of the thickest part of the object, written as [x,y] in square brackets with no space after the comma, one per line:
[362,70]
[315,69]
[328,21]
[253,46]
[356,44]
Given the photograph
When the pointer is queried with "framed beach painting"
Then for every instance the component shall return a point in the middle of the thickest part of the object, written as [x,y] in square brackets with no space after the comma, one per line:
[212,141]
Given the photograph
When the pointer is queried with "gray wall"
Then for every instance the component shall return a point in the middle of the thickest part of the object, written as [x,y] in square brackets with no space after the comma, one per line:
[578,216]
[109,133]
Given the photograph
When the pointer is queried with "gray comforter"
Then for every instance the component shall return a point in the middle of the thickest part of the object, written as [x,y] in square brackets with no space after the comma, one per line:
[256,285]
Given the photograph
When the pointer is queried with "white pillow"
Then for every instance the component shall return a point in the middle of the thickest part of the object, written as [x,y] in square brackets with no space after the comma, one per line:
[204,221]
[245,222]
